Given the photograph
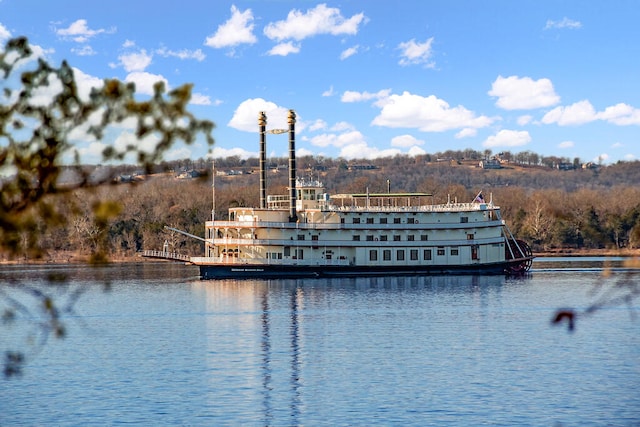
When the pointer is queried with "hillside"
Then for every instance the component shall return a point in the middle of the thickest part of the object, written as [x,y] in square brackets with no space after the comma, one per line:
[556,210]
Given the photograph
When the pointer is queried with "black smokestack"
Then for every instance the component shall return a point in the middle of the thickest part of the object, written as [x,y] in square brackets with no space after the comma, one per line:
[262,123]
[293,217]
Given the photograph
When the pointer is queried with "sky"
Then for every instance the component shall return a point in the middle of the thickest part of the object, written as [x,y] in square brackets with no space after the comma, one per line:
[367,79]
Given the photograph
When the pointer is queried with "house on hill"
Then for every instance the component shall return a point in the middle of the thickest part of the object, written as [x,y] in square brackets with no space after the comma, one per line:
[490,164]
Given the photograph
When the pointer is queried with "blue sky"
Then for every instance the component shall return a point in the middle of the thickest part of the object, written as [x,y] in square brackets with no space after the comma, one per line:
[366,78]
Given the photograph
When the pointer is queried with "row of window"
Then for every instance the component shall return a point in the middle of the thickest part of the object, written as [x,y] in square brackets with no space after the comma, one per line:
[413,254]
[383,220]
[384,238]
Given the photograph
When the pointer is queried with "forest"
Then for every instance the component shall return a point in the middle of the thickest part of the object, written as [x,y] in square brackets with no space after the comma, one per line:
[555,210]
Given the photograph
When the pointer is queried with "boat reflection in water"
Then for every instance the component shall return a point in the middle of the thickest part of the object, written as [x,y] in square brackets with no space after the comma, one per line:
[282,326]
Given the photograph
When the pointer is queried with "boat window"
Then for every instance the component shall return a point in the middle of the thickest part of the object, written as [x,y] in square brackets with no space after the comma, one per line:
[411,237]
[426,255]
[470,236]
[369,220]
[413,254]
[314,237]
[287,251]
[396,238]
[464,219]
[396,220]
[383,220]
[400,254]
[386,255]
[341,220]
[411,220]
[454,251]
[440,251]
[370,238]
[356,220]
[424,237]
[300,236]
[383,238]
[356,237]
[373,255]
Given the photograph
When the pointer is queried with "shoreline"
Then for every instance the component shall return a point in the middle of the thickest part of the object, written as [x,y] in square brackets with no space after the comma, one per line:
[75,259]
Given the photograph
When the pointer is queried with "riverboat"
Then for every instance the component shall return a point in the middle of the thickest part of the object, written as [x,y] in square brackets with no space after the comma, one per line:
[310,233]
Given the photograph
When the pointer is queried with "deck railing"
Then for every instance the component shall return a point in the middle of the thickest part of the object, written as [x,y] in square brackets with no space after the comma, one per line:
[166,255]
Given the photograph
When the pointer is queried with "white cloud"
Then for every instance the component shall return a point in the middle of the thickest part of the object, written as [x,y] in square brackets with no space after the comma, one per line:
[92,154]
[617,145]
[177,153]
[353,96]
[353,137]
[246,115]
[135,61]
[525,120]
[566,144]
[629,157]
[576,114]
[319,20]
[416,151]
[428,114]
[564,23]
[318,125]
[236,31]
[85,50]
[328,92]
[523,93]
[197,54]
[413,53]
[4,34]
[349,52]
[221,153]
[621,114]
[80,32]
[144,81]
[43,95]
[466,133]
[284,49]
[300,152]
[508,138]
[147,144]
[361,150]
[200,99]
[342,126]
[85,83]
[406,141]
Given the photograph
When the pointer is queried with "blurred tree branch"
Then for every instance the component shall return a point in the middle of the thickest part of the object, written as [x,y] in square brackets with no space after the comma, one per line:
[609,291]
[41,107]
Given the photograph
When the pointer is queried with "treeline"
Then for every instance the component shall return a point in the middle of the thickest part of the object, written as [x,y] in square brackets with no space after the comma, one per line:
[552,209]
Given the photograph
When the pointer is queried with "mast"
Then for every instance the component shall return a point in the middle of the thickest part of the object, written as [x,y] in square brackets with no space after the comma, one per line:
[213,189]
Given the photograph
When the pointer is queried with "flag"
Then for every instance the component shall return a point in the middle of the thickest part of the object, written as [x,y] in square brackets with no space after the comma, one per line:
[479,198]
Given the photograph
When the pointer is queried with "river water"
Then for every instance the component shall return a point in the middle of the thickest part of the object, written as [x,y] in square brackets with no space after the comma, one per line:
[158,346]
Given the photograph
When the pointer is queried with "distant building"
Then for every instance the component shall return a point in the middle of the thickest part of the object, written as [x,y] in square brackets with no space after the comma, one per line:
[362,167]
[565,166]
[490,164]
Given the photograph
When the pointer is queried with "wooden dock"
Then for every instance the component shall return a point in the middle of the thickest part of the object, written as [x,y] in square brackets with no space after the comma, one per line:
[173,256]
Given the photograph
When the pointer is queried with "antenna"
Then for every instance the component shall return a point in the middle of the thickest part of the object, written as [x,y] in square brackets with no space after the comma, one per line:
[213,189]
